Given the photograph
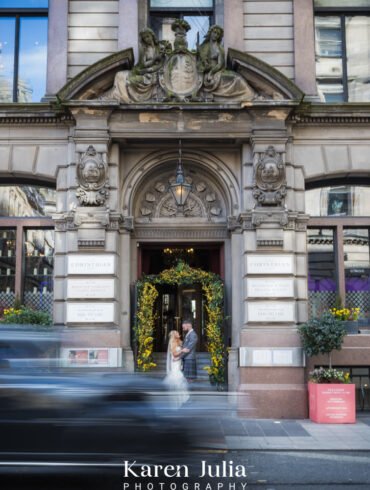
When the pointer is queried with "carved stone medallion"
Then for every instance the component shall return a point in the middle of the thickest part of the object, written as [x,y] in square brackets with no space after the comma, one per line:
[92,177]
[270,179]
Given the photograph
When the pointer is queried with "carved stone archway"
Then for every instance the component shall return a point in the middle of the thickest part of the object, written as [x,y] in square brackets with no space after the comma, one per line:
[155,203]
[214,198]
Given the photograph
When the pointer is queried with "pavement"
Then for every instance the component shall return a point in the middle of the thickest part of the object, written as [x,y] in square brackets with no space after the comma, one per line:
[230,432]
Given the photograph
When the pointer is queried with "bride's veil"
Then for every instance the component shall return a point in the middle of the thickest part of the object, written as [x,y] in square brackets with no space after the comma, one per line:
[169,357]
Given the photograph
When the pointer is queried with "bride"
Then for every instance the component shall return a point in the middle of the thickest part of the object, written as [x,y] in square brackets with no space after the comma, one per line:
[175,380]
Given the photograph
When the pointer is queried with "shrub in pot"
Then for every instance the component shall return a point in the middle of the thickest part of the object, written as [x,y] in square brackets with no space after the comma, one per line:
[331,396]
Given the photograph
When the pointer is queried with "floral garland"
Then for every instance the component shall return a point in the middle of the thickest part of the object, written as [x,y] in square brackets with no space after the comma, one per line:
[145,326]
[212,287]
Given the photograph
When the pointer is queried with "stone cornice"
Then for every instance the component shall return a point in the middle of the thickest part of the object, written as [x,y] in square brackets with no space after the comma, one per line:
[43,114]
[317,114]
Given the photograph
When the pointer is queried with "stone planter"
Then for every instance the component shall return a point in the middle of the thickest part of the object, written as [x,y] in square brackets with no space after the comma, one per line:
[332,403]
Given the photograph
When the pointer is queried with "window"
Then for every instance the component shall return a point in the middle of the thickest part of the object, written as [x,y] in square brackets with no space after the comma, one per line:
[26,246]
[339,248]
[23,50]
[342,45]
[198,13]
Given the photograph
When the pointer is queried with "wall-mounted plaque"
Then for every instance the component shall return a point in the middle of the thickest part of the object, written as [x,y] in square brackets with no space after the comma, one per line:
[270,287]
[283,357]
[90,312]
[271,356]
[262,357]
[91,264]
[90,288]
[270,264]
[271,311]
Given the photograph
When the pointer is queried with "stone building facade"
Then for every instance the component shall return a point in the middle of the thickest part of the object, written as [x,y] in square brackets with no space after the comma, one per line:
[254,155]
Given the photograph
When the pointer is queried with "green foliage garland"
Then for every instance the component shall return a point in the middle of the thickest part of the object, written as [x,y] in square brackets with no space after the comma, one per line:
[145,327]
[212,287]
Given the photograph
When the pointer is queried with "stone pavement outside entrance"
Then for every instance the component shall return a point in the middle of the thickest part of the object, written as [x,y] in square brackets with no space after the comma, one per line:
[231,432]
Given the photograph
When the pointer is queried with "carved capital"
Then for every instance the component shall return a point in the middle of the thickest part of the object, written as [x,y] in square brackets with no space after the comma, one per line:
[64,221]
[271,215]
[92,178]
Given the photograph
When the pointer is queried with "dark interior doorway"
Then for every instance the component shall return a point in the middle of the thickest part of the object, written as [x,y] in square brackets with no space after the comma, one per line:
[176,303]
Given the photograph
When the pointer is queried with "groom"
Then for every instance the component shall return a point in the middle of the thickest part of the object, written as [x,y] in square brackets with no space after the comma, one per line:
[188,351]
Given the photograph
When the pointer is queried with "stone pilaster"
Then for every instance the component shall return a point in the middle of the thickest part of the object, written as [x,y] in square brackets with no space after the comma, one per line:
[88,245]
[273,228]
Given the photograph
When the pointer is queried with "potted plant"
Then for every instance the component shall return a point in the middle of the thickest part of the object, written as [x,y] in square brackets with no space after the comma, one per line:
[331,395]
[22,315]
[349,317]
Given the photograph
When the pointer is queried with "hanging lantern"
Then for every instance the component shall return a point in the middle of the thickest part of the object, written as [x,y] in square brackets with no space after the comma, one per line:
[180,189]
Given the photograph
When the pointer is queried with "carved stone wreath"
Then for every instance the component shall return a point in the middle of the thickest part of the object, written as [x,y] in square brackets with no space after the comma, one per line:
[92,177]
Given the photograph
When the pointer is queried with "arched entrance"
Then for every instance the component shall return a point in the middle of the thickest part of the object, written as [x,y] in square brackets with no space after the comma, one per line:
[198,235]
[177,302]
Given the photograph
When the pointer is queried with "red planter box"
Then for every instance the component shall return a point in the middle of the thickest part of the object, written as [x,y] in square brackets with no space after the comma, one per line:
[332,403]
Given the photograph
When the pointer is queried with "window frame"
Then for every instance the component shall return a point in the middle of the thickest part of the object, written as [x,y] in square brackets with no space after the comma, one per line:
[342,13]
[337,224]
[181,12]
[17,14]
[20,225]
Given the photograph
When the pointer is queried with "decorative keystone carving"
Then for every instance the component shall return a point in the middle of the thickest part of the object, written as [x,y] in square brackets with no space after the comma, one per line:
[92,177]
[270,179]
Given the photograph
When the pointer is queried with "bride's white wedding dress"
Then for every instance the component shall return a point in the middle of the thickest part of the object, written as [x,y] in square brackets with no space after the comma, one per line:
[175,380]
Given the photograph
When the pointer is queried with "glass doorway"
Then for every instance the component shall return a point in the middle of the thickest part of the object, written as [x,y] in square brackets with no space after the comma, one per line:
[174,304]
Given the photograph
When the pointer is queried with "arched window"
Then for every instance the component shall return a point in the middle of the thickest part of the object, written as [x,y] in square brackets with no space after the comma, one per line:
[338,247]
[26,246]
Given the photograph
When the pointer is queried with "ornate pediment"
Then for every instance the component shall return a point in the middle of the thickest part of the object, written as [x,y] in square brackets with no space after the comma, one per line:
[173,73]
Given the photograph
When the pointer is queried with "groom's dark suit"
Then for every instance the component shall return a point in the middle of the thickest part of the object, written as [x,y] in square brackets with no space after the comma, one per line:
[189,358]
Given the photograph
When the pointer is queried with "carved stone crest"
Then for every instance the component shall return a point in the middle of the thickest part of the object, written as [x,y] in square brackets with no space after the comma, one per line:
[92,177]
[165,72]
[270,179]
[180,75]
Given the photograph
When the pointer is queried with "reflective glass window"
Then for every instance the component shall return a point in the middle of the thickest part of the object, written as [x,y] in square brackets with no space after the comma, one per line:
[7,266]
[39,265]
[199,26]
[24,4]
[329,54]
[358,57]
[357,269]
[199,14]
[23,51]
[181,3]
[342,3]
[322,278]
[338,201]
[32,59]
[27,201]
[7,38]
[26,246]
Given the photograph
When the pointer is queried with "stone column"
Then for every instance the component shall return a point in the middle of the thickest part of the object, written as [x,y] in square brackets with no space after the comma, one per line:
[237,253]
[56,75]
[275,281]
[88,225]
